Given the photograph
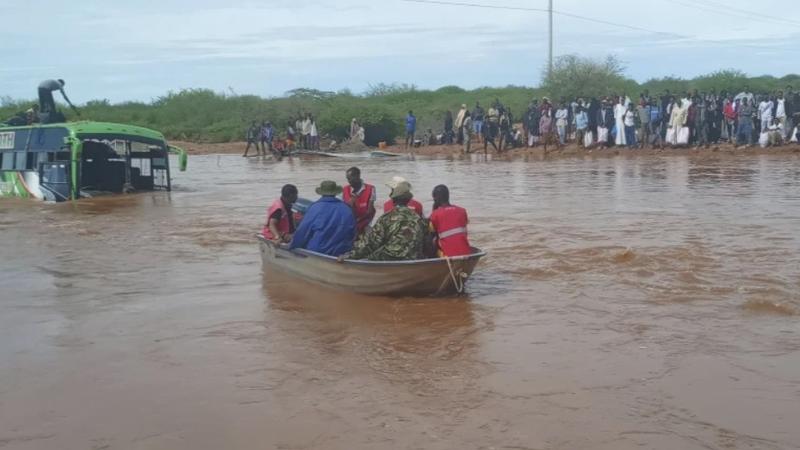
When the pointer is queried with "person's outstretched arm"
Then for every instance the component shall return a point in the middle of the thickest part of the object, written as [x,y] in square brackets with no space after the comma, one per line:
[64,94]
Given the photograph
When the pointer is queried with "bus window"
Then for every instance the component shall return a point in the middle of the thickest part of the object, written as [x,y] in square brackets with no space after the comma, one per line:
[7,163]
[32,160]
[20,160]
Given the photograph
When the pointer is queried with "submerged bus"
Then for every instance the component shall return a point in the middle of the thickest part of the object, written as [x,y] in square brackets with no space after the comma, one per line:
[72,160]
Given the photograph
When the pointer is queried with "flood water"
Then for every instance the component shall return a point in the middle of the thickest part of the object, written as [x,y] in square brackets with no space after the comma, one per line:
[625,303]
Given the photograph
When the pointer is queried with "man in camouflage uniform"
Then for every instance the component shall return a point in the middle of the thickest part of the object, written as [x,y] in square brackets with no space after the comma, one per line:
[398,235]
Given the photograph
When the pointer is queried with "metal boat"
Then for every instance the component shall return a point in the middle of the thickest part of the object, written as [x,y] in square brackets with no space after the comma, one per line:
[425,277]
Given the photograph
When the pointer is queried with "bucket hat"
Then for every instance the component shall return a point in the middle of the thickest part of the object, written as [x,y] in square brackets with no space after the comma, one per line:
[329,187]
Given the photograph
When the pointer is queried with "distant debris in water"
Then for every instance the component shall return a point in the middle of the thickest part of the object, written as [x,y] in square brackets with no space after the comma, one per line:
[767,307]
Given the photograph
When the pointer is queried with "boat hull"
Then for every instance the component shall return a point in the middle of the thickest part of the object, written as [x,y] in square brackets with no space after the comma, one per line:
[429,277]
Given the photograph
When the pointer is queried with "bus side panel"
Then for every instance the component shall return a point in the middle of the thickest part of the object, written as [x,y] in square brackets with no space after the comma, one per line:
[12,184]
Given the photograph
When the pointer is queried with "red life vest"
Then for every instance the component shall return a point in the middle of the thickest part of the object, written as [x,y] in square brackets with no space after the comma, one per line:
[361,209]
[284,226]
[450,224]
[413,204]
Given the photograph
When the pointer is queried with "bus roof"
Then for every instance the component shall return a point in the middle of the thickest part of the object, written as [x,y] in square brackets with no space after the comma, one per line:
[90,128]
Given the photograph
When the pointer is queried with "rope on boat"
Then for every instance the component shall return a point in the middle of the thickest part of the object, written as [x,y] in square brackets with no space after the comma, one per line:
[458,277]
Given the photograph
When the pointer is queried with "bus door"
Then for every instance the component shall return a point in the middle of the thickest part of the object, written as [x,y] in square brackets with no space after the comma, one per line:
[54,180]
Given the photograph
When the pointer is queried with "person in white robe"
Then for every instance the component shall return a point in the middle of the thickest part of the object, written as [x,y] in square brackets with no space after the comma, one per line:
[765,113]
[619,119]
[459,124]
[677,120]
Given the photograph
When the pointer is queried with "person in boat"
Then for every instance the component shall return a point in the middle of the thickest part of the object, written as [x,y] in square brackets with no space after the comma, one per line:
[396,236]
[328,226]
[47,104]
[280,221]
[389,204]
[449,222]
[360,197]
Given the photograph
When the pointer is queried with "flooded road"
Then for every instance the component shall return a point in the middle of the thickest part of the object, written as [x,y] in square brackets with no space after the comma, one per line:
[626,303]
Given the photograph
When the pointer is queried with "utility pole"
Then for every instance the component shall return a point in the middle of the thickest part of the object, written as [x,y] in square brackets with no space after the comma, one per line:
[550,53]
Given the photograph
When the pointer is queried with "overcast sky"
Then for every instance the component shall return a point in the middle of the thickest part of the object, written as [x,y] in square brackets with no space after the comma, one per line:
[139,50]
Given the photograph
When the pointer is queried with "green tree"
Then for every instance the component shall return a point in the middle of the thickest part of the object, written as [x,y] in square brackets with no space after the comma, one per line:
[574,76]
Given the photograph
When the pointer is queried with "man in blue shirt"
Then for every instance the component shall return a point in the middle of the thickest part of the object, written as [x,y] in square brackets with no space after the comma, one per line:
[655,125]
[328,226]
[581,126]
[411,128]
[267,135]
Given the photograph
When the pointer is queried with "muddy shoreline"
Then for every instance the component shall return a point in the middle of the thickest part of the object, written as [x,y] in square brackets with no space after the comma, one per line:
[537,153]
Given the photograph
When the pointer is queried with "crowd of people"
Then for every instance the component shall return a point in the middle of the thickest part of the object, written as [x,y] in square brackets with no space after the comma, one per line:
[691,119]
[340,222]
[301,134]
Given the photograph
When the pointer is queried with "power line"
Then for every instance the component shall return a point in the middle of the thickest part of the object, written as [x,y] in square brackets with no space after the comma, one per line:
[750,13]
[741,14]
[560,13]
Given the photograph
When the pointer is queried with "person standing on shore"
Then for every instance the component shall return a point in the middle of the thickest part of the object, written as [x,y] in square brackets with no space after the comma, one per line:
[313,133]
[353,129]
[459,123]
[729,114]
[547,128]
[306,126]
[691,115]
[677,122]
[780,112]
[466,130]
[562,121]
[582,127]
[298,128]
[267,134]
[744,132]
[765,113]
[592,112]
[477,120]
[792,106]
[291,136]
[532,117]
[492,127]
[252,137]
[643,110]
[605,120]
[448,128]
[656,123]
[620,109]
[630,126]
[411,128]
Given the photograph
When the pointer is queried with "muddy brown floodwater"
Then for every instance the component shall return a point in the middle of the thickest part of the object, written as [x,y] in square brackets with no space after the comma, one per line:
[626,303]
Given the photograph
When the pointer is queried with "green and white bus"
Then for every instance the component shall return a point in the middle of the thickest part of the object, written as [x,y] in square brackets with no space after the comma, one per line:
[68,161]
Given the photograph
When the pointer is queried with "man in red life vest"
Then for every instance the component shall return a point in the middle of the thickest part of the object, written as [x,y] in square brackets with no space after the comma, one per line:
[389,205]
[280,221]
[360,197]
[449,222]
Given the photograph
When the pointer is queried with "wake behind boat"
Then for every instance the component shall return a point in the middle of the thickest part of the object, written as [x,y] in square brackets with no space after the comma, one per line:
[425,277]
